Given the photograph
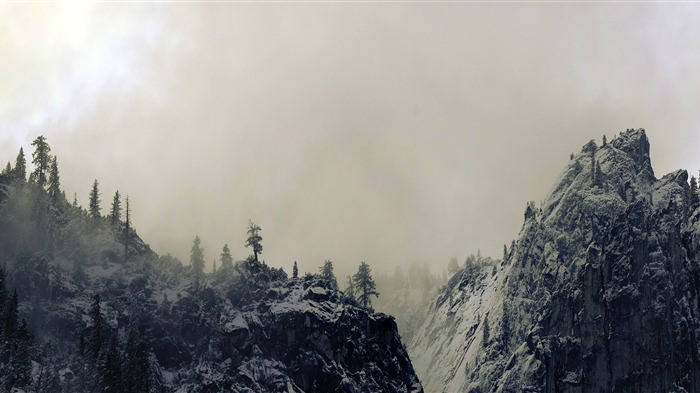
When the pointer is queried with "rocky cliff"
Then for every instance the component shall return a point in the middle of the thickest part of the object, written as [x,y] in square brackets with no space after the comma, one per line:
[598,294]
[113,318]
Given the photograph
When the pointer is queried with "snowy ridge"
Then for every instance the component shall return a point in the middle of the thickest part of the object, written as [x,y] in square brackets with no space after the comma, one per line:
[598,294]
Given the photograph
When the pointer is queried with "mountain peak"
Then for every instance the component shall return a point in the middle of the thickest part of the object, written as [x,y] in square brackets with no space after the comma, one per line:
[597,294]
[636,144]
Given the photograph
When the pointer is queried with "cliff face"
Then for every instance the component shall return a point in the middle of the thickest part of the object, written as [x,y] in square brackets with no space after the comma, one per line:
[598,294]
[303,337]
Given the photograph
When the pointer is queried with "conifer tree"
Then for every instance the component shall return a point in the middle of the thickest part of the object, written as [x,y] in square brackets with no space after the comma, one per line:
[8,169]
[94,207]
[54,181]
[327,274]
[75,199]
[295,271]
[254,239]
[213,268]
[350,290]
[197,260]
[364,285]
[127,229]
[226,258]
[20,171]
[605,141]
[116,213]
[41,160]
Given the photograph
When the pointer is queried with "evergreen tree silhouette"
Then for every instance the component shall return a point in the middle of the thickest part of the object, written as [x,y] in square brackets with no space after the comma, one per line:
[364,285]
[254,239]
[94,207]
[41,160]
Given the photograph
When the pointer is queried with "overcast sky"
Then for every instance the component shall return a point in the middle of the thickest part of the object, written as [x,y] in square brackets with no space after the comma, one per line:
[386,132]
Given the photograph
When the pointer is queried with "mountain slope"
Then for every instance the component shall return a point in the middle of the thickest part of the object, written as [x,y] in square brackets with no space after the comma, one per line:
[598,294]
[115,318]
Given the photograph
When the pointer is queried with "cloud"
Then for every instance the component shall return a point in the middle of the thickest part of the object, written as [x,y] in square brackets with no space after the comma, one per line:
[390,133]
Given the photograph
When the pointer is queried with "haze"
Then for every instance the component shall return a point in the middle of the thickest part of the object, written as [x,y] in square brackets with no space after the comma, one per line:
[393,133]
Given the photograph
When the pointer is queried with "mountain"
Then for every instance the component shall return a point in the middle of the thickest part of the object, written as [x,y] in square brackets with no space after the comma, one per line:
[86,305]
[599,293]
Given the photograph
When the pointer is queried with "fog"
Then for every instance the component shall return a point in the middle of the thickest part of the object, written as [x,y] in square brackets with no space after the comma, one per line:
[391,133]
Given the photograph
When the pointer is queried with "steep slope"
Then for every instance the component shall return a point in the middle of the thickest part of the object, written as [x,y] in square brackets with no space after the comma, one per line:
[598,294]
[104,322]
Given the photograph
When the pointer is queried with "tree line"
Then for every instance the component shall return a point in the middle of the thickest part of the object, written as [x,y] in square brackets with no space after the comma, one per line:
[46,177]
[360,286]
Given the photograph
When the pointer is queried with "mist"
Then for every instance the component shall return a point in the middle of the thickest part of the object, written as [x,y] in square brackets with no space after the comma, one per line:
[385,133]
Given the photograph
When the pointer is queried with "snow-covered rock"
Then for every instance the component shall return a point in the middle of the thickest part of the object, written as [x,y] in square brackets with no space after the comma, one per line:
[99,319]
[600,292]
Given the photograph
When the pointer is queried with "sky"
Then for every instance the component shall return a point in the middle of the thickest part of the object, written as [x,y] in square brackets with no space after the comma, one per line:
[391,133]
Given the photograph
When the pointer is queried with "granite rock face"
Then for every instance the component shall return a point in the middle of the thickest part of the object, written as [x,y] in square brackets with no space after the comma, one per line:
[305,337]
[598,294]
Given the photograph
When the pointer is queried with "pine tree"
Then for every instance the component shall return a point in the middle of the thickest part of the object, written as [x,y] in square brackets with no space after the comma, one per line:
[197,260]
[54,181]
[8,169]
[295,271]
[95,201]
[75,199]
[213,269]
[127,229]
[20,171]
[327,274]
[116,213]
[364,285]
[41,160]
[350,290]
[226,258]
[605,141]
[254,239]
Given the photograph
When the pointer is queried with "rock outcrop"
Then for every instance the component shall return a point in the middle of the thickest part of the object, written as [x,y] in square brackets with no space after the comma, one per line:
[598,294]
